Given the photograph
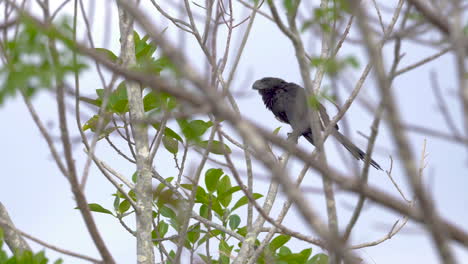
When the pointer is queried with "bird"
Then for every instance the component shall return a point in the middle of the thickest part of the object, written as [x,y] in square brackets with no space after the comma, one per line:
[288,102]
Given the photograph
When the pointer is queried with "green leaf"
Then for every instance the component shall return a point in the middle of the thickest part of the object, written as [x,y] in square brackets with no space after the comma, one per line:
[145,52]
[94,207]
[224,252]
[160,232]
[204,212]
[276,131]
[211,179]
[106,132]
[163,227]
[170,144]
[124,206]
[152,101]
[167,212]
[194,129]
[29,66]
[224,194]
[161,186]
[194,234]
[206,259]
[187,186]
[201,195]
[284,251]
[306,25]
[136,38]
[234,221]
[100,93]
[314,102]
[150,65]
[132,195]
[164,63]
[242,231]
[216,147]
[304,255]
[244,200]
[353,61]
[316,61]
[278,242]
[118,99]
[92,123]
[288,4]
[224,186]
[109,54]
[165,198]
[216,207]
[116,201]
[168,132]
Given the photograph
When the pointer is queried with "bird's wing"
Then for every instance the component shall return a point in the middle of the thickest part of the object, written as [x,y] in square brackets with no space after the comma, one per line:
[297,108]
[283,100]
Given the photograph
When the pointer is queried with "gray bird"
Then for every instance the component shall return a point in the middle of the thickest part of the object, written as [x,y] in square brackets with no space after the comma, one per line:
[288,102]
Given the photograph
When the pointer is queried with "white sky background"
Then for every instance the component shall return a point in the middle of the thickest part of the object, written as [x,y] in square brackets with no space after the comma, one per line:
[40,202]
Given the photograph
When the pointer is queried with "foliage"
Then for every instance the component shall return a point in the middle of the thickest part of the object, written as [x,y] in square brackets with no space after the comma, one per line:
[33,65]
[26,257]
[29,64]
[216,203]
[153,103]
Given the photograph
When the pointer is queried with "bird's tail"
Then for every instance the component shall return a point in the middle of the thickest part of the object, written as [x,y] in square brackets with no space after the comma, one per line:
[357,152]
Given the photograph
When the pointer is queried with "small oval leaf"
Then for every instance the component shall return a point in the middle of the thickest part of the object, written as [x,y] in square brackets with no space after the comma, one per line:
[170,144]
[234,221]
[212,178]
[124,206]
[278,242]
[216,147]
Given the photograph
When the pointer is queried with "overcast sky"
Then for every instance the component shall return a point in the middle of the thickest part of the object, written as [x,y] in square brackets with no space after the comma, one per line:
[40,202]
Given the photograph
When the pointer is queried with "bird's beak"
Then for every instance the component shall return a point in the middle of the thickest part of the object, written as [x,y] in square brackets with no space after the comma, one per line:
[257,85]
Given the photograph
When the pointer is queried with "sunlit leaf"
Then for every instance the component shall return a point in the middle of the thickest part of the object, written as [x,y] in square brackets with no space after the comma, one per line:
[118,99]
[194,234]
[211,179]
[224,252]
[224,186]
[168,132]
[244,200]
[124,206]
[194,129]
[215,147]
[170,144]
[94,207]
[276,131]
[278,242]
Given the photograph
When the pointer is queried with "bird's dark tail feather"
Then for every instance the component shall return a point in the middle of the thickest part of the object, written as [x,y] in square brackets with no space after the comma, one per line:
[357,152]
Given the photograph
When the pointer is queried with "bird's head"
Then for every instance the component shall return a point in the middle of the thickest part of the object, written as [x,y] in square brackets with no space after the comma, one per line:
[266,83]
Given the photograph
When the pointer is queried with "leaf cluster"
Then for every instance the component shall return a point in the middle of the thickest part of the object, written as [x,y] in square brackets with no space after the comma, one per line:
[30,66]
[25,257]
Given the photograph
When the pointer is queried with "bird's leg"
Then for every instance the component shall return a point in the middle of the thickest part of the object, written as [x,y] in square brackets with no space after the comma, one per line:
[293,137]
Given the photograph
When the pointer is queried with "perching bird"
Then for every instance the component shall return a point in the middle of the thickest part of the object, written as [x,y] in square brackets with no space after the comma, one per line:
[288,102]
